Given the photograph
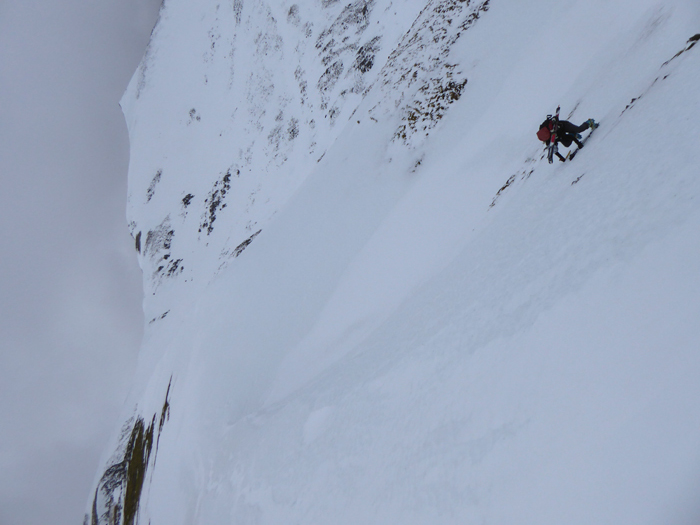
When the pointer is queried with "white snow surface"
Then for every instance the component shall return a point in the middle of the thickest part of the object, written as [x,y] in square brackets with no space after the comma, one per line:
[375,310]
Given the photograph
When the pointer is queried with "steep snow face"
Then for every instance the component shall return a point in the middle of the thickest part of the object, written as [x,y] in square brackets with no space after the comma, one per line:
[371,300]
[231,108]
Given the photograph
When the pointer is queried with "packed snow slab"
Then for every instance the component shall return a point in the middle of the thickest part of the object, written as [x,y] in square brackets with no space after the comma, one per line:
[417,320]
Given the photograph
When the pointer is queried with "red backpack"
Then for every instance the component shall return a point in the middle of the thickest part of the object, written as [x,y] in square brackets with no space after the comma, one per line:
[545,132]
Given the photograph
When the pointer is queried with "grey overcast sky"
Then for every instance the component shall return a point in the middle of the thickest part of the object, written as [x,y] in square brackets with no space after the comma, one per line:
[70,287]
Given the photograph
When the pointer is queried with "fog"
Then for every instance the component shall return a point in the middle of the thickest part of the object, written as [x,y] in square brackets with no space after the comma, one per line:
[70,319]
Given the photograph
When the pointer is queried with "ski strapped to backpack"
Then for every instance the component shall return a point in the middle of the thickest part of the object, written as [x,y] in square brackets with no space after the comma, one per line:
[553,149]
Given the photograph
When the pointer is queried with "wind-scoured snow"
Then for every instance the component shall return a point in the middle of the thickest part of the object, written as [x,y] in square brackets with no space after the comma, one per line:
[372,300]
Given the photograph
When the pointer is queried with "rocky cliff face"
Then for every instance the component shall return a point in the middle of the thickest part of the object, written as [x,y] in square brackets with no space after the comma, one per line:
[359,272]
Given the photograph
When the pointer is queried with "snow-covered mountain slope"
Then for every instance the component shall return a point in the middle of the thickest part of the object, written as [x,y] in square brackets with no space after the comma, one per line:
[369,297]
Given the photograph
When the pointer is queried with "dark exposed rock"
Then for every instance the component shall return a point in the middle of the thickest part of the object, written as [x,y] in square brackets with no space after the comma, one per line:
[239,249]
[152,187]
[330,76]
[418,69]
[215,202]
[365,55]
[118,494]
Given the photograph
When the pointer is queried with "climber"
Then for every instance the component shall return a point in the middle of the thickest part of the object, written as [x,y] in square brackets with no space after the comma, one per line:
[566,132]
